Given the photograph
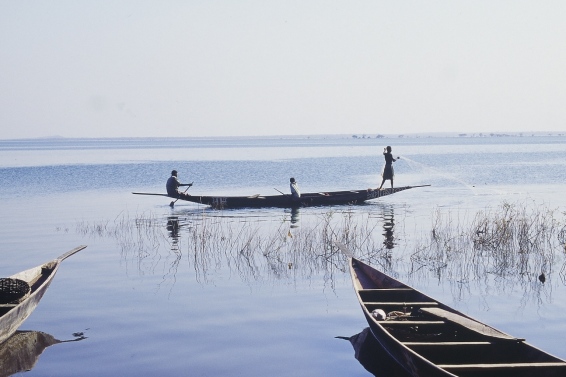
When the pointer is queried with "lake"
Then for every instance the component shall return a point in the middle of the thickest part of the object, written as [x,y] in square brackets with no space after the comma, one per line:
[191,290]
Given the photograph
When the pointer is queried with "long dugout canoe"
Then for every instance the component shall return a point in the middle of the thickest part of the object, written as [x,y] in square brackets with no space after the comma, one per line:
[287,201]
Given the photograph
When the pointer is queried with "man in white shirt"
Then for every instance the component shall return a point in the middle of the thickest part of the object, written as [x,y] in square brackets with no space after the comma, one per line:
[295,192]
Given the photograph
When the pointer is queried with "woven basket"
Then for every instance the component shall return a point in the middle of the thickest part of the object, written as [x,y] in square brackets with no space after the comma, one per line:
[13,291]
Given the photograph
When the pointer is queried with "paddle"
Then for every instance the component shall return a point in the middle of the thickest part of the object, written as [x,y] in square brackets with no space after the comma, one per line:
[175,201]
[279,191]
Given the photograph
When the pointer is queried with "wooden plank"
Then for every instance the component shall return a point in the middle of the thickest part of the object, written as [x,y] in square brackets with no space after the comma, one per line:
[445,344]
[460,367]
[397,303]
[468,323]
[150,193]
[411,323]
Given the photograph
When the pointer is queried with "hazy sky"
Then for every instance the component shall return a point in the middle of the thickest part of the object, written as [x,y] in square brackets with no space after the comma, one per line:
[237,68]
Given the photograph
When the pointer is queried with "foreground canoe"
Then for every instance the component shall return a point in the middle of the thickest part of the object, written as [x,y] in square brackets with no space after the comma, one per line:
[430,339]
[286,201]
[12,315]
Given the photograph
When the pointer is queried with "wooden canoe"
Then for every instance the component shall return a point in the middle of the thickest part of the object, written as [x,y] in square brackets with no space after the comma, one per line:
[286,201]
[429,339]
[38,278]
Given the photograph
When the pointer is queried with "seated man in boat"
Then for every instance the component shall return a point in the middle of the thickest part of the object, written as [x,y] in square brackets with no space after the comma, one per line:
[295,192]
[173,185]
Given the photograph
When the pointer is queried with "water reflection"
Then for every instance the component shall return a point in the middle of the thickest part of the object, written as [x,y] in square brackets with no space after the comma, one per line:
[382,255]
[173,227]
[260,245]
[20,352]
[295,217]
[256,245]
[388,227]
[373,357]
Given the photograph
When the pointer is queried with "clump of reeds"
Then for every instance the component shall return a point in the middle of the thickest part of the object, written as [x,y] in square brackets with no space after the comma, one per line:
[510,241]
[520,239]
[251,248]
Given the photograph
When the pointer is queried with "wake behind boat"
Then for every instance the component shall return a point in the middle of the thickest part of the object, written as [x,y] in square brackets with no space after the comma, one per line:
[429,339]
[287,201]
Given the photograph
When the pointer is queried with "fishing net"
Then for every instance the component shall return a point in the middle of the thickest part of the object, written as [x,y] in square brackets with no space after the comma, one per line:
[13,291]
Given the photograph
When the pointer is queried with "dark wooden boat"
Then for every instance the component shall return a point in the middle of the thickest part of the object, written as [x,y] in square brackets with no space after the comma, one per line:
[286,201]
[429,339]
[13,314]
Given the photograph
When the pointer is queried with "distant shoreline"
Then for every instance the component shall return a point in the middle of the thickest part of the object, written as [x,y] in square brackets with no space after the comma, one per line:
[315,136]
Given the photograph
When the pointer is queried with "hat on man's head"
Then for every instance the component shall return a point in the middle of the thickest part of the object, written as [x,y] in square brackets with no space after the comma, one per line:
[292,180]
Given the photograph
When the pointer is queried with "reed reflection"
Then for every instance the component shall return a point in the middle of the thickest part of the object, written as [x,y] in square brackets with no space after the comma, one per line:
[257,247]
[21,351]
[472,256]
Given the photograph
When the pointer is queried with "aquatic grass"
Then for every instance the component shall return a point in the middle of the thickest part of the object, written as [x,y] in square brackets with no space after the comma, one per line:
[510,244]
[513,240]
[251,248]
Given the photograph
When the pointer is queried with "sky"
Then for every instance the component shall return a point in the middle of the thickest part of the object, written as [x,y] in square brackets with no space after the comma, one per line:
[196,68]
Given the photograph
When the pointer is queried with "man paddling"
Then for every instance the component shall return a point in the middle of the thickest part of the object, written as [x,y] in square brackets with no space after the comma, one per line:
[173,185]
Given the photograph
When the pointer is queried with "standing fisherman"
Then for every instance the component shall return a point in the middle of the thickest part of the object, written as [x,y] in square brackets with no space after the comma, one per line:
[387,172]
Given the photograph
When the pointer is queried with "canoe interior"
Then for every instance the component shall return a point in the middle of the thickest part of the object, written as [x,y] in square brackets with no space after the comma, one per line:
[37,276]
[428,335]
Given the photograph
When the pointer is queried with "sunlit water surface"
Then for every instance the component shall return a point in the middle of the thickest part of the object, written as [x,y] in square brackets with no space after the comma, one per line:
[196,291]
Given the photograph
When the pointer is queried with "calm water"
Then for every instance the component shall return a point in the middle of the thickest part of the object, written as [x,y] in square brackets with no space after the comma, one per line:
[195,291]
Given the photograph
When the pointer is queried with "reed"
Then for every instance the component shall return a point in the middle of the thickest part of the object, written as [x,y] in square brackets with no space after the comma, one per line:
[513,242]
[514,239]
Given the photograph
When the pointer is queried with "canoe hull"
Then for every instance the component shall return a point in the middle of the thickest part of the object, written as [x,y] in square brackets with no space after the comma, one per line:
[39,278]
[412,363]
[350,197]
[431,339]
[12,320]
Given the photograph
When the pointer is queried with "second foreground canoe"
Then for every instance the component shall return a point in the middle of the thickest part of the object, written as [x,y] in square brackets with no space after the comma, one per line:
[429,339]
[15,312]
[287,201]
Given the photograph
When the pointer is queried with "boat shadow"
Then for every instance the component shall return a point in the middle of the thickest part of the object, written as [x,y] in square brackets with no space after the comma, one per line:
[277,244]
[372,356]
[20,352]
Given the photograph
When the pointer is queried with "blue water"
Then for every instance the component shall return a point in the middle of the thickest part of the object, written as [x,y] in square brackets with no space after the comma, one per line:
[254,292]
